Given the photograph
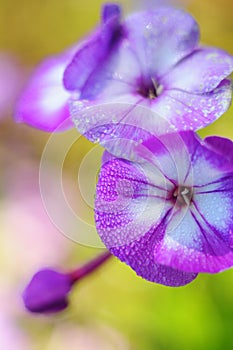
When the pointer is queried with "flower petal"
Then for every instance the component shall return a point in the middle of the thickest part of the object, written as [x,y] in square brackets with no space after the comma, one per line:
[200,72]
[109,11]
[91,60]
[197,237]
[188,111]
[202,241]
[126,209]
[110,123]
[126,202]
[173,110]
[44,103]
[161,38]
[140,257]
[200,238]
[221,145]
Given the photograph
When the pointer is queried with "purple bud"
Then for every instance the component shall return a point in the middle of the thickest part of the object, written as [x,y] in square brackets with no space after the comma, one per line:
[109,11]
[47,292]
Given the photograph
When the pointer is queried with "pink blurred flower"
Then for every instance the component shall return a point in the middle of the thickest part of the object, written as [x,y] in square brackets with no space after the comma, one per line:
[11,81]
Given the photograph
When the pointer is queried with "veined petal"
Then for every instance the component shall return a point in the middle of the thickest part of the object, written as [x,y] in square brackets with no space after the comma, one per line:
[130,214]
[44,103]
[202,239]
[188,111]
[140,257]
[127,202]
[161,38]
[200,72]
[156,225]
[125,117]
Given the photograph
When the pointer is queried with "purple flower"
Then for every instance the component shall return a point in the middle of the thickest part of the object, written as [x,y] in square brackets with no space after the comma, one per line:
[151,59]
[44,103]
[47,292]
[154,61]
[169,214]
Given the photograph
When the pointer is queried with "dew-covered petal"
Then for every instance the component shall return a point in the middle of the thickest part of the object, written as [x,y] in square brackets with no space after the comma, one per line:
[208,166]
[85,72]
[199,237]
[161,38]
[205,166]
[127,201]
[202,239]
[123,118]
[129,214]
[188,111]
[139,255]
[200,72]
[173,110]
[44,103]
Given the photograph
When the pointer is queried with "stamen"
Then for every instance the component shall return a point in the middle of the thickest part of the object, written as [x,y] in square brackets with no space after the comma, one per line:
[150,90]
[183,195]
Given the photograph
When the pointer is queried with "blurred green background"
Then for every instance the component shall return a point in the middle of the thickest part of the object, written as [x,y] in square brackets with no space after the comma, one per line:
[112,309]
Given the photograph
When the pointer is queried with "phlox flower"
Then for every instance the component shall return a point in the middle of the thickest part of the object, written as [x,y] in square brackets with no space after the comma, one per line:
[151,58]
[169,213]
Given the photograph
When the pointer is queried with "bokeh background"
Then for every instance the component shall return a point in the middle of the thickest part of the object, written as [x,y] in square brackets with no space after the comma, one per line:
[113,309]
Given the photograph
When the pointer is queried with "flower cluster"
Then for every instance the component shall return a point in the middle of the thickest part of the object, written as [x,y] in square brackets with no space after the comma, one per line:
[141,87]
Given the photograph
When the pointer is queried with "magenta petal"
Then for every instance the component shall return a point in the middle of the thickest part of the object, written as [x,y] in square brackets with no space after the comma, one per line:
[161,37]
[123,215]
[200,72]
[140,257]
[221,145]
[44,103]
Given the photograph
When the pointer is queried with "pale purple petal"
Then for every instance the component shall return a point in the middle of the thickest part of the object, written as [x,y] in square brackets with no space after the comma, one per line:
[208,166]
[161,38]
[140,257]
[202,241]
[85,72]
[188,111]
[123,118]
[44,103]
[103,118]
[126,201]
[199,238]
[200,72]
